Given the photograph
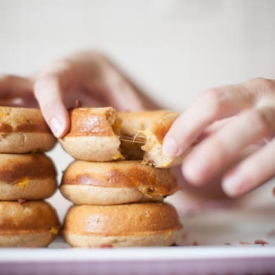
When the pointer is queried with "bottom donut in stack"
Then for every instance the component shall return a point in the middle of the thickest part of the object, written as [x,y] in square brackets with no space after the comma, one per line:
[119,204]
[31,224]
[26,220]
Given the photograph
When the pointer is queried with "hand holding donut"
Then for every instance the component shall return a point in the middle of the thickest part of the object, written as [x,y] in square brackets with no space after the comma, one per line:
[235,126]
[88,77]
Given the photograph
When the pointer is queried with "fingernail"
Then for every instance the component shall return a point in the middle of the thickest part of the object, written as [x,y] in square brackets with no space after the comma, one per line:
[170,148]
[56,127]
[233,185]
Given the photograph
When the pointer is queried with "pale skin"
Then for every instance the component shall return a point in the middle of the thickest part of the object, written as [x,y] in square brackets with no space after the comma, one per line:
[86,77]
[224,120]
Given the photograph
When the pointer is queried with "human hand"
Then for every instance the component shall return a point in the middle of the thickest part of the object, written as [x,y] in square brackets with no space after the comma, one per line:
[235,126]
[86,77]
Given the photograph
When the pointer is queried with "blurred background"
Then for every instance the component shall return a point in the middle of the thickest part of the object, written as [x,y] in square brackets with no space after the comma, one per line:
[174,49]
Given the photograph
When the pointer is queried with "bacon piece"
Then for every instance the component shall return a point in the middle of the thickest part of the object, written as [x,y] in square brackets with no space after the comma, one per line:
[106,246]
[261,242]
[21,201]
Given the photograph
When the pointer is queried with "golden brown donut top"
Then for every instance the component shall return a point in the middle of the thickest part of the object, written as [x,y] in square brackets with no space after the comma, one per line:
[14,119]
[94,122]
[27,216]
[15,168]
[122,220]
[116,174]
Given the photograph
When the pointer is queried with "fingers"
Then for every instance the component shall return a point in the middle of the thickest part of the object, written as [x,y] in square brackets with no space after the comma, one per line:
[119,90]
[123,97]
[250,110]
[251,172]
[49,93]
[212,155]
[16,91]
[88,77]
[215,104]
[51,84]
[19,91]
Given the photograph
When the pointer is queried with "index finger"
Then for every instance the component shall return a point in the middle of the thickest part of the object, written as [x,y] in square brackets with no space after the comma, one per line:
[49,89]
[215,104]
[49,94]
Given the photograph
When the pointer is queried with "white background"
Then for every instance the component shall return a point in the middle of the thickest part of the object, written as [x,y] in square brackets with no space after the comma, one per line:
[175,49]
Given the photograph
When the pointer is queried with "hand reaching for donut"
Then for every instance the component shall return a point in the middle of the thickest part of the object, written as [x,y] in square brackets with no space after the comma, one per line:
[235,126]
[87,77]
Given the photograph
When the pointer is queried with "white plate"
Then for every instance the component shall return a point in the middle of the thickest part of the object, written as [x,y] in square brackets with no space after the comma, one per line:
[213,241]
[172,260]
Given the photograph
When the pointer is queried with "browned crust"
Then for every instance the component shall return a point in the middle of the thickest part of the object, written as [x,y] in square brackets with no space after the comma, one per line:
[19,167]
[94,134]
[132,174]
[94,122]
[26,176]
[28,120]
[32,216]
[121,220]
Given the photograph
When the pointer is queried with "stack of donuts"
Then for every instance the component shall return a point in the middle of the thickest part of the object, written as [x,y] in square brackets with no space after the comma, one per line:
[118,180]
[27,177]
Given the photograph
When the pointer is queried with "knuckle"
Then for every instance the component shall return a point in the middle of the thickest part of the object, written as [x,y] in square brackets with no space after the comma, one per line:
[213,100]
[262,118]
[261,85]
[62,66]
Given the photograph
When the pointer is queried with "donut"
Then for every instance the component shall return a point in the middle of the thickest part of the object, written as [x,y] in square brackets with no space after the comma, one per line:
[142,135]
[26,176]
[93,135]
[103,134]
[127,225]
[116,182]
[24,130]
[31,224]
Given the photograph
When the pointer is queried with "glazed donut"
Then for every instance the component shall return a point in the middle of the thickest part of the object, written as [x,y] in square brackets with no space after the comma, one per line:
[26,176]
[135,224]
[117,182]
[24,130]
[31,224]
[94,134]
